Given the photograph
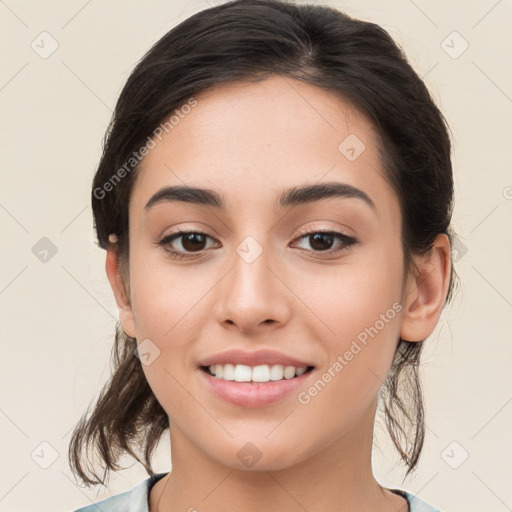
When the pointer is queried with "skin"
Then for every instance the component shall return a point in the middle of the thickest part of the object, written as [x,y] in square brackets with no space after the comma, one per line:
[249,141]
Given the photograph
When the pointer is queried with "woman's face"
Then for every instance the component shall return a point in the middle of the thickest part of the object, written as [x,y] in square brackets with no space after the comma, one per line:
[259,278]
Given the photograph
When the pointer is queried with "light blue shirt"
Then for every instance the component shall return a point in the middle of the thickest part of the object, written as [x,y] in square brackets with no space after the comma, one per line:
[137,499]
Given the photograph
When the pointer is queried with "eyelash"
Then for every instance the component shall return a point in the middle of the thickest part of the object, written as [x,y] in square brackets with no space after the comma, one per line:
[346,240]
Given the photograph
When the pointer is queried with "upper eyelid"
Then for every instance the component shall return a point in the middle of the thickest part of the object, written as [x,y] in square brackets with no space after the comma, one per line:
[305,232]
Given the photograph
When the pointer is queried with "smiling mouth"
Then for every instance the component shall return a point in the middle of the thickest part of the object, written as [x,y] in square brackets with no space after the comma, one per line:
[255,374]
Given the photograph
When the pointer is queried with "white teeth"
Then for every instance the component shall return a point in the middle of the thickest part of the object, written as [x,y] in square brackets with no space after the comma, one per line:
[242,373]
[289,372]
[276,372]
[260,373]
[228,372]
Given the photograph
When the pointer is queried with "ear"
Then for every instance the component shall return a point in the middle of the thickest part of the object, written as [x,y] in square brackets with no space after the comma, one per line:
[126,316]
[425,292]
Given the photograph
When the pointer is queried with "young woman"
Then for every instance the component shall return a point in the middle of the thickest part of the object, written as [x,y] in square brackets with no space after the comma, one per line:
[274,199]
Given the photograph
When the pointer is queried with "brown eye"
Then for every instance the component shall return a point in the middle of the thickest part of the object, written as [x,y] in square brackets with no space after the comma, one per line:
[184,243]
[323,241]
[193,241]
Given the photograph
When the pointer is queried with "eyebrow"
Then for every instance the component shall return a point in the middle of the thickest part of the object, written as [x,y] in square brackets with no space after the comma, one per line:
[294,196]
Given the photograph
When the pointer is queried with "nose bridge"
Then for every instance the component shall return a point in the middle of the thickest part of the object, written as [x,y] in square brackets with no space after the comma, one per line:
[252,293]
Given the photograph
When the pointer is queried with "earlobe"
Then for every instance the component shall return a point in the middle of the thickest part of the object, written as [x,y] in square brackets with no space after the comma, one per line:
[426,291]
[126,316]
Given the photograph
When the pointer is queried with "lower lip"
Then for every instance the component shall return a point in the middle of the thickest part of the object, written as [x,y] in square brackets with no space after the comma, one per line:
[253,394]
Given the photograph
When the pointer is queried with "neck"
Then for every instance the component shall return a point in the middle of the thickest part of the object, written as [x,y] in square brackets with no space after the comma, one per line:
[339,477]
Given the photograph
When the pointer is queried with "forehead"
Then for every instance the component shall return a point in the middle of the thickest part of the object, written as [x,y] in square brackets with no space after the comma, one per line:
[252,139]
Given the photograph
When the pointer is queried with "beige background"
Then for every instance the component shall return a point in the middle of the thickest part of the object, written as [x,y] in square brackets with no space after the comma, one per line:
[58,316]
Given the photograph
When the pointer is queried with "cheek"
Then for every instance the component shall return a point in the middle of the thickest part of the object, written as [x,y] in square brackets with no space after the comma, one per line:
[165,296]
[167,308]
[360,311]
[360,354]
[345,300]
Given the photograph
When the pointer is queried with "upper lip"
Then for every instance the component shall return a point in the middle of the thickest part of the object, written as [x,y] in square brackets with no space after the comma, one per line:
[254,358]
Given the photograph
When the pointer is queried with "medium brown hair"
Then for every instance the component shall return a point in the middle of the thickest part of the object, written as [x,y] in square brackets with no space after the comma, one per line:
[251,40]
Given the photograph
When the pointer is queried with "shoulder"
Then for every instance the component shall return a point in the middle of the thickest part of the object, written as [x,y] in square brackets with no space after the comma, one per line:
[415,504]
[134,500]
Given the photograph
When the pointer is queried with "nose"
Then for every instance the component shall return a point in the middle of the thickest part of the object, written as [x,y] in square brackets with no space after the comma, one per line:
[253,294]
